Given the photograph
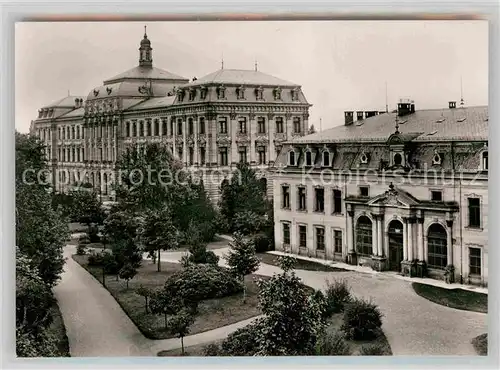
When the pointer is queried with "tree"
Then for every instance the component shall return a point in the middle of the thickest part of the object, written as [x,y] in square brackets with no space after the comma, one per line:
[41,231]
[127,272]
[248,222]
[198,252]
[242,258]
[158,232]
[312,129]
[293,317]
[180,323]
[87,206]
[146,293]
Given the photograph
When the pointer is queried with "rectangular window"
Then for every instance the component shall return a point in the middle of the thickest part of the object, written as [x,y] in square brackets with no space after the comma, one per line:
[203,93]
[202,155]
[363,191]
[308,158]
[262,156]
[485,160]
[157,128]
[436,195]
[296,125]
[179,126]
[148,127]
[302,236]
[243,154]
[326,159]
[223,156]
[302,198]
[320,238]
[475,261]
[261,123]
[337,201]
[190,127]
[171,128]
[279,125]
[474,212]
[286,233]
[202,125]
[191,156]
[180,152]
[164,127]
[223,125]
[243,125]
[285,197]
[337,236]
[319,195]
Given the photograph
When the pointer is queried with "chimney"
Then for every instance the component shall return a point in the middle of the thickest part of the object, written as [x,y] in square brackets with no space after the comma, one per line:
[406,106]
[77,103]
[359,116]
[349,118]
[452,104]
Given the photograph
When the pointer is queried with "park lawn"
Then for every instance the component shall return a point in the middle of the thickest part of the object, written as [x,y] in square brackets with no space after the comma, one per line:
[456,298]
[58,330]
[334,324]
[272,259]
[480,344]
[213,313]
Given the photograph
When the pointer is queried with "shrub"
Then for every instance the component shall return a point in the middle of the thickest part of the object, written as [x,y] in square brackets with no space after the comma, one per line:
[207,231]
[84,239]
[200,254]
[375,349]
[332,344]
[242,342]
[362,320]
[95,259]
[337,295]
[212,349]
[81,249]
[203,281]
[262,243]
[111,265]
[93,234]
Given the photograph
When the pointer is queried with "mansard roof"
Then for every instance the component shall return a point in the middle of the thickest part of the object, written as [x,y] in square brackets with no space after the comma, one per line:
[241,77]
[146,73]
[468,123]
[66,102]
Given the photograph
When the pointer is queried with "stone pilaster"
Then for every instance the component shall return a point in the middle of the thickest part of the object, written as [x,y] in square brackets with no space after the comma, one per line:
[271,128]
[252,129]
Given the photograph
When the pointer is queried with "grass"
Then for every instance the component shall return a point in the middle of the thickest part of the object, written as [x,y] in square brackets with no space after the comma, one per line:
[217,243]
[480,344]
[272,259]
[334,324]
[456,298]
[213,313]
[59,330]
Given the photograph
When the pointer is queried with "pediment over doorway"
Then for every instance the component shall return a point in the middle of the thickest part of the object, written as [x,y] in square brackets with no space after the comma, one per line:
[394,197]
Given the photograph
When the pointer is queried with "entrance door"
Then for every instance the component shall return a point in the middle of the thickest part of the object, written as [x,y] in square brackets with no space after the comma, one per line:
[395,245]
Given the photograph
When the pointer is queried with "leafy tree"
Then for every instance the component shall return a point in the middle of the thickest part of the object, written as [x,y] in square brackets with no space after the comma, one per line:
[127,272]
[146,293]
[87,207]
[248,222]
[158,232]
[198,252]
[41,231]
[242,258]
[243,192]
[180,323]
[293,318]
[312,129]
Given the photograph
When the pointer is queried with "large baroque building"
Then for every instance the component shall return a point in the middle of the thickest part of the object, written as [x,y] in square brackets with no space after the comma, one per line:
[210,123]
[405,191]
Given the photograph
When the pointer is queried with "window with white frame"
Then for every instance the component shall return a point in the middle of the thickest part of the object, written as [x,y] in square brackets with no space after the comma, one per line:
[337,240]
[302,236]
[475,261]
[286,233]
[326,158]
[291,158]
[320,238]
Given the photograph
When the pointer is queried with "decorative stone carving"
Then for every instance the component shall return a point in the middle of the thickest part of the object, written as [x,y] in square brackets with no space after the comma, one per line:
[288,116]
[96,92]
[190,140]
[179,140]
[202,141]
[251,116]
[279,136]
[262,140]
[242,138]
[270,116]
[223,139]
[232,115]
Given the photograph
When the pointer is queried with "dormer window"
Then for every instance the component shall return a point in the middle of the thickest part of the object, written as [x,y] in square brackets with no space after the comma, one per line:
[363,159]
[221,92]
[259,93]
[436,159]
[203,93]
[484,161]
[326,158]
[398,159]
[277,93]
[308,158]
[240,92]
[291,158]
[295,94]
[192,94]
[180,95]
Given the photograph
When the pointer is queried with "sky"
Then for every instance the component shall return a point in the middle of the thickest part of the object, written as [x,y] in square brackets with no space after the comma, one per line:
[341,65]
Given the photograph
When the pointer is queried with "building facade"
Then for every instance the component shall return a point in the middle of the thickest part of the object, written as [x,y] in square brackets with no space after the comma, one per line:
[404,191]
[210,123]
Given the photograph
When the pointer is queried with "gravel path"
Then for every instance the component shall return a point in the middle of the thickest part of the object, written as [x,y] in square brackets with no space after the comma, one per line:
[97,326]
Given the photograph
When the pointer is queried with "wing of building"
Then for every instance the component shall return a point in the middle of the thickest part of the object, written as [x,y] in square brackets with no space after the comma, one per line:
[405,191]
[210,123]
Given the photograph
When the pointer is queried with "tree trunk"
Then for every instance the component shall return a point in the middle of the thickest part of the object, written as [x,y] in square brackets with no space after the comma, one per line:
[165,321]
[159,265]
[103,277]
[117,276]
[244,289]
[127,284]
[182,345]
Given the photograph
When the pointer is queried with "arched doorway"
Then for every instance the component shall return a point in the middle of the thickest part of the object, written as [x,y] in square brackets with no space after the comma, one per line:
[364,240]
[395,234]
[437,251]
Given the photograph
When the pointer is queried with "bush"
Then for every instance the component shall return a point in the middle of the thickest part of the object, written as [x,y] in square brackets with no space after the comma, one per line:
[337,295]
[93,234]
[95,259]
[81,249]
[203,281]
[207,231]
[200,254]
[261,243]
[212,349]
[111,265]
[242,342]
[332,344]
[84,239]
[362,320]
[372,350]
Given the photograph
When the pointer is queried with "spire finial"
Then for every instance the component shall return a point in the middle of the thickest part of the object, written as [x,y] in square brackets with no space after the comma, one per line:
[255,64]
[222,61]
[145,33]
[397,124]
[462,102]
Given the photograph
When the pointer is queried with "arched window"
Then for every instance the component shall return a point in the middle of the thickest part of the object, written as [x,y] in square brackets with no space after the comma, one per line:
[308,158]
[291,158]
[326,158]
[364,236]
[134,129]
[437,252]
[398,159]
[190,126]
[127,129]
[73,132]
[157,128]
